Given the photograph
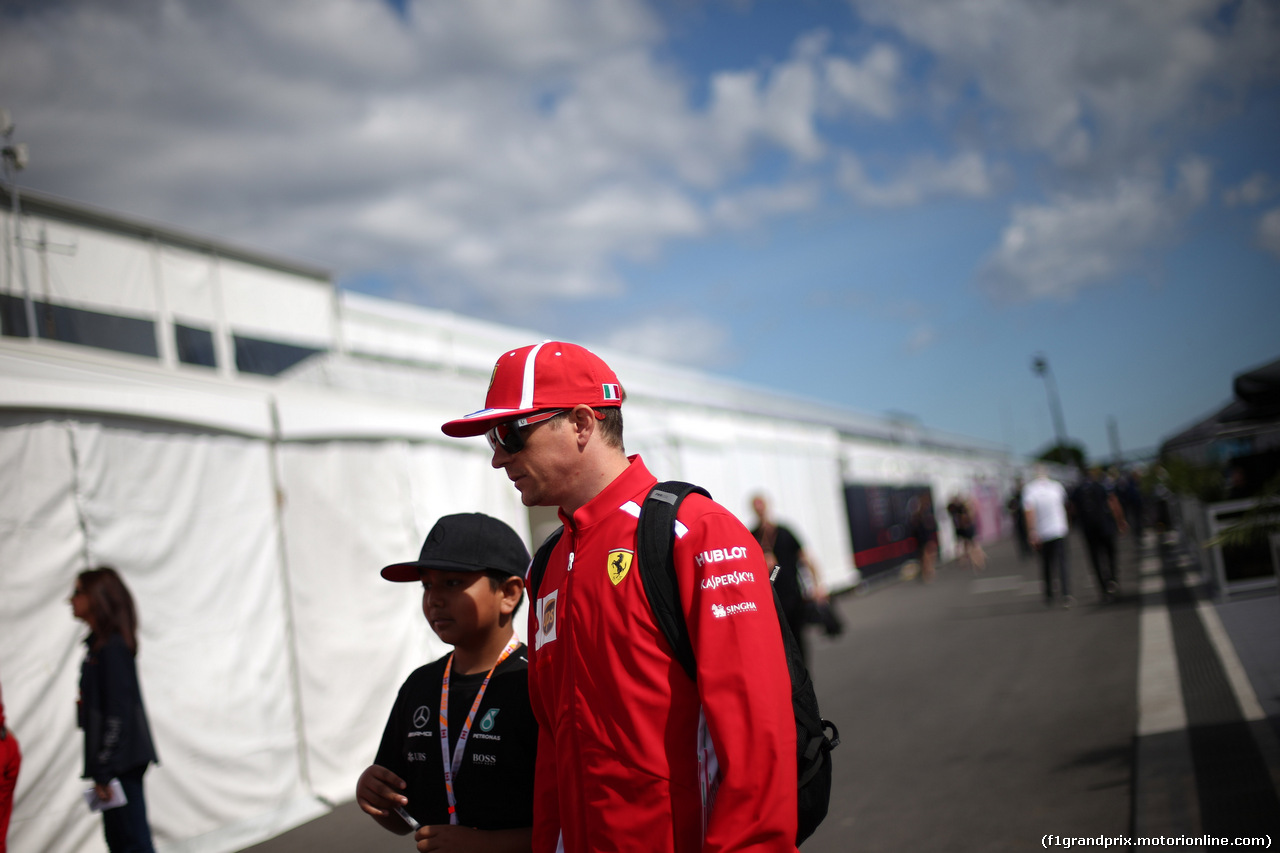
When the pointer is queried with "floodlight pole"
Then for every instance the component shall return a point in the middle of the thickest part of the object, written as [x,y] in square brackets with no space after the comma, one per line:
[14,158]
[1040,365]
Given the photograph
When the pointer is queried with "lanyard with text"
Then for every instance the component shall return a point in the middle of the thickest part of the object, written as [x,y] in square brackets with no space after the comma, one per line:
[451,766]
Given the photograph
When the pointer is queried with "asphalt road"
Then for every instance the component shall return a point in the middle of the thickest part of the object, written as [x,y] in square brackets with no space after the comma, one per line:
[972,717]
[976,719]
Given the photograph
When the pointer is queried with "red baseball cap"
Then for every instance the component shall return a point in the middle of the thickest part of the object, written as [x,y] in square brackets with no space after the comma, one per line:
[549,375]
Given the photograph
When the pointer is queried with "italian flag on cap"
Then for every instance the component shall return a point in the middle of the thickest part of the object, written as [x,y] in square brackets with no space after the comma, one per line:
[611,392]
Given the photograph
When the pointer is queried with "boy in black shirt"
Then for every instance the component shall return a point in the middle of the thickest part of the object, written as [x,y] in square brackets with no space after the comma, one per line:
[467,784]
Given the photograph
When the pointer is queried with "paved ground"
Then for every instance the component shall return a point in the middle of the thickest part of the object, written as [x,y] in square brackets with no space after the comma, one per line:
[974,718]
[978,719]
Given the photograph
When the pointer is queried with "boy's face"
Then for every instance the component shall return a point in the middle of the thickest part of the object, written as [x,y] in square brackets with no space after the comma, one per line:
[462,607]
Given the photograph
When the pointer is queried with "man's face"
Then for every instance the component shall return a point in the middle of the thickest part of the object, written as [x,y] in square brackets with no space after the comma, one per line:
[543,469]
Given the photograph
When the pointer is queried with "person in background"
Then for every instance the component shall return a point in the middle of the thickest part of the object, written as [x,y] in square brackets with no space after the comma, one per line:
[797,583]
[117,737]
[1045,503]
[465,789]
[924,529]
[1014,506]
[1098,512]
[966,527]
[10,764]
[633,754]
[1129,491]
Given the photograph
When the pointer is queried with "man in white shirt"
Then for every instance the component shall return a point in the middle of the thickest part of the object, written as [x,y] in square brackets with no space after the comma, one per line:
[1045,503]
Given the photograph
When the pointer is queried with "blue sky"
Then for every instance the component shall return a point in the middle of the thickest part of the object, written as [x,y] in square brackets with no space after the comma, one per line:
[889,205]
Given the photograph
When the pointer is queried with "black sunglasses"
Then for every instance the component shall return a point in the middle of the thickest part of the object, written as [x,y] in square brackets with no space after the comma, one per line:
[508,435]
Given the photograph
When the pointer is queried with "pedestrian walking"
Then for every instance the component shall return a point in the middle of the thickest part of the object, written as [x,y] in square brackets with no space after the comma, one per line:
[798,586]
[1098,512]
[963,520]
[1045,503]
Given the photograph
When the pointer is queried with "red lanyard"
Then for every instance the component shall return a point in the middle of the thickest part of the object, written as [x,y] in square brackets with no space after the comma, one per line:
[451,766]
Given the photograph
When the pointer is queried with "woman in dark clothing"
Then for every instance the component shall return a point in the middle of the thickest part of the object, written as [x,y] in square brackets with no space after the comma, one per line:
[962,518]
[117,738]
[924,529]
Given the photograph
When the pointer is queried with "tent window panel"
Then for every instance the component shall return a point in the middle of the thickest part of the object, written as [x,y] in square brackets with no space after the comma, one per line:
[195,346]
[13,317]
[268,358]
[95,329]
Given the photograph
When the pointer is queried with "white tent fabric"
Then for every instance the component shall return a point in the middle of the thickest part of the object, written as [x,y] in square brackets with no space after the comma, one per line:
[41,542]
[124,277]
[263,301]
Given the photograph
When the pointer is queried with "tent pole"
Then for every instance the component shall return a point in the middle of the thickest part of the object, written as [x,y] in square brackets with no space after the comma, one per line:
[290,625]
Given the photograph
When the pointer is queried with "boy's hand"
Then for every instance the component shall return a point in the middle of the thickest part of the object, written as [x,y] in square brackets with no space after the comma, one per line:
[463,839]
[378,792]
[443,838]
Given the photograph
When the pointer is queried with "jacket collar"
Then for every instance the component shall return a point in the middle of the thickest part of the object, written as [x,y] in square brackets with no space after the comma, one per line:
[634,480]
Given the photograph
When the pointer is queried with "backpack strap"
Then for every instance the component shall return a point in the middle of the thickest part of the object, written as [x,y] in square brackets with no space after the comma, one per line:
[655,545]
[538,567]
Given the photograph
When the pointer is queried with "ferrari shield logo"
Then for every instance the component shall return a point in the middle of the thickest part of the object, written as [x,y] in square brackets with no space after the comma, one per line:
[619,565]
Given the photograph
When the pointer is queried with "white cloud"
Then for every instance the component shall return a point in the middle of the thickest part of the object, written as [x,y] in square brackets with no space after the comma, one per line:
[494,152]
[1056,250]
[869,87]
[699,342]
[1092,85]
[1269,231]
[480,147]
[966,175]
[778,105]
[750,207]
[1255,189]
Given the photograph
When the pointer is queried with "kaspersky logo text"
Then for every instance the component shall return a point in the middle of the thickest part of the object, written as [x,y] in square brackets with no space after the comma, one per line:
[731,579]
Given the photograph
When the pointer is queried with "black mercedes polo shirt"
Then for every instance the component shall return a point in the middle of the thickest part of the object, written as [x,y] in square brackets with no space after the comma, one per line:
[494,785]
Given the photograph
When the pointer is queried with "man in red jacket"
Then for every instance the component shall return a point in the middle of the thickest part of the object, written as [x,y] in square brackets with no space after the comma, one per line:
[633,754]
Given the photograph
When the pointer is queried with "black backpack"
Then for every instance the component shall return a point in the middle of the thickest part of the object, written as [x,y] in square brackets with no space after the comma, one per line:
[655,536]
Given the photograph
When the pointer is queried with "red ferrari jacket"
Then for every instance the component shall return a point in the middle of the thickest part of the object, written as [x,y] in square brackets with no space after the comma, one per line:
[632,753]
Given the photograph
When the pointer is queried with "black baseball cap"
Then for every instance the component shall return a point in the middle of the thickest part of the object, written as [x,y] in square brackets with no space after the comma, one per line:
[466,542]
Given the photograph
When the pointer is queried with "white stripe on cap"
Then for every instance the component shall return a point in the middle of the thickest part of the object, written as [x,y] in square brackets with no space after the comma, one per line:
[526,389]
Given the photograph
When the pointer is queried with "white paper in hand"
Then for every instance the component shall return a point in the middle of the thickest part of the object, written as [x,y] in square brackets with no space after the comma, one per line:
[117,798]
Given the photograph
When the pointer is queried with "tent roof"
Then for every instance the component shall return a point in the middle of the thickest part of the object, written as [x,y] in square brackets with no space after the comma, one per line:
[52,377]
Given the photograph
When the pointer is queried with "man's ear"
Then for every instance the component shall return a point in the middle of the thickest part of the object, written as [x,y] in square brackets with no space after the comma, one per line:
[584,422]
